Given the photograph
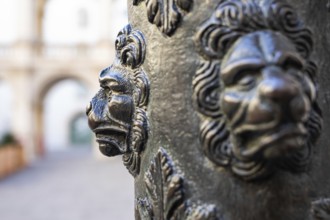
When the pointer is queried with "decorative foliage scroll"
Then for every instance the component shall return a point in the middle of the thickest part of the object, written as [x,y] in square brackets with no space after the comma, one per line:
[255,61]
[166,14]
[165,195]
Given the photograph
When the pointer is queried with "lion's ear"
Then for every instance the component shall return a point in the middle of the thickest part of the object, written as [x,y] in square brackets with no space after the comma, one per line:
[142,85]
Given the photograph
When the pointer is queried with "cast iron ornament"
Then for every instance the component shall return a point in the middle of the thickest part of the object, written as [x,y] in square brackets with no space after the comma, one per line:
[117,113]
[165,199]
[256,89]
[321,209]
[166,14]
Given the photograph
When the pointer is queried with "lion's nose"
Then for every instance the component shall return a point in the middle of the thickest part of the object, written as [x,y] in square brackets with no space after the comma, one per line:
[94,116]
[278,88]
[282,89]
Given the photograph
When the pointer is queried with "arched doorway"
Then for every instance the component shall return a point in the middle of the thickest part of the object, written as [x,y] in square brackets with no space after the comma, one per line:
[63,99]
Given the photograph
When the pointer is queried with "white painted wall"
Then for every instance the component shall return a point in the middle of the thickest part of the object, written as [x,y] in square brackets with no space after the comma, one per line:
[64,20]
[8,21]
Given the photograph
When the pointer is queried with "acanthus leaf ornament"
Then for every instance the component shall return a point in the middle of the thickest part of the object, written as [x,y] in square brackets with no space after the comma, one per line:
[164,188]
[242,86]
[165,195]
[117,113]
[166,14]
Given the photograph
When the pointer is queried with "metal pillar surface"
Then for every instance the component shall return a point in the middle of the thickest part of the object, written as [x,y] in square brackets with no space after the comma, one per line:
[216,108]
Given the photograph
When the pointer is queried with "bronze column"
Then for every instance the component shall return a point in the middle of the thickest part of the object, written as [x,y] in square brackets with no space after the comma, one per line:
[216,105]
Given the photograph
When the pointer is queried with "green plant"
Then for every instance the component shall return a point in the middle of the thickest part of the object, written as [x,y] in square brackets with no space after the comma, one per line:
[8,138]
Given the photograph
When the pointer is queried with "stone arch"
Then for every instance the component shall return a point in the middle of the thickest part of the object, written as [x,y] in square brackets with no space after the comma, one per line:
[47,82]
[43,86]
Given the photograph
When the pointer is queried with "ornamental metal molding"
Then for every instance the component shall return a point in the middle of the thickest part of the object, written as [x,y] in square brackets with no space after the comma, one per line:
[256,89]
[117,113]
[165,197]
[321,209]
[166,14]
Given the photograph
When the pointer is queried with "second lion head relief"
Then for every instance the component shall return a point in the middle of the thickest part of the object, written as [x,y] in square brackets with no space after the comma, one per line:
[117,113]
[256,89]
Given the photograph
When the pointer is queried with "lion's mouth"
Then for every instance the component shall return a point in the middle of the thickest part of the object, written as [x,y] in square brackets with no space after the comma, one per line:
[109,138]
[273,142]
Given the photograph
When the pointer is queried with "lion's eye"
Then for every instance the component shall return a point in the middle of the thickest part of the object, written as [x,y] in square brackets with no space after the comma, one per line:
[246,81]
[108,83]
[104,85]
[107,90]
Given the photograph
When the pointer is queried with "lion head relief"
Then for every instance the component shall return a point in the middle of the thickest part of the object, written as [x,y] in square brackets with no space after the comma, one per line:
[256,90]
[117,113]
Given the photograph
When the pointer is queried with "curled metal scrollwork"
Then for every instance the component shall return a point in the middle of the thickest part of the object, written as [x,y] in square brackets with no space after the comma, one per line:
[130,47]
[256,88]
[117,113]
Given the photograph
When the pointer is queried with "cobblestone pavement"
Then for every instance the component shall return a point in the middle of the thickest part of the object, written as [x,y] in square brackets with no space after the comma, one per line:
[69,186]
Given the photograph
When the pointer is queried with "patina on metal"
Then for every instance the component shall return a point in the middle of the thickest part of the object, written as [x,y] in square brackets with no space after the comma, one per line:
[117,113]
[215,107]
[264,115]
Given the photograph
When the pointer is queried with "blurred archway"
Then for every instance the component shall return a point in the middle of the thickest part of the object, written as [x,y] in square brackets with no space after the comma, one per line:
[47,41]
[61,100]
